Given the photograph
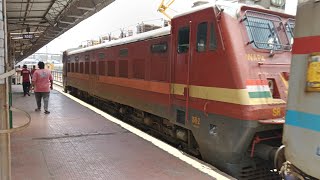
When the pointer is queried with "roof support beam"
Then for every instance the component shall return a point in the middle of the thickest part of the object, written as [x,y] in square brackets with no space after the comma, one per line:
[54,31]
[37,10]
[75,16]
[26,12]
[35,2]
[86,8]
[66,22]
[30,17]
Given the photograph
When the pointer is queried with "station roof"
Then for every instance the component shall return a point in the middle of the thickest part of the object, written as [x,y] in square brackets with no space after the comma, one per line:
[34,23]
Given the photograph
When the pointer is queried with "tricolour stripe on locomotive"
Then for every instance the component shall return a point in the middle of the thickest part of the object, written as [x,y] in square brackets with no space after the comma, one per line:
[207,76]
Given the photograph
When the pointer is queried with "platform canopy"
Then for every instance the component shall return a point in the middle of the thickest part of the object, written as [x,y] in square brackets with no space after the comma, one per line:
[34,23]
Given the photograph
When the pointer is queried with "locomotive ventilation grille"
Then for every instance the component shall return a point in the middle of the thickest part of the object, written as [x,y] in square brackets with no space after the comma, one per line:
[260,171]
[181,117]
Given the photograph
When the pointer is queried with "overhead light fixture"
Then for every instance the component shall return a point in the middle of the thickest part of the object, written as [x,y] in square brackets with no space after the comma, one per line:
[15,38]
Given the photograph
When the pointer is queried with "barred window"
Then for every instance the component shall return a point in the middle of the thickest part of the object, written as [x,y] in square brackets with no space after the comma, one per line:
[123,52]
[87,57]
[290,29]
[101,55]
[159,48]
[266,31]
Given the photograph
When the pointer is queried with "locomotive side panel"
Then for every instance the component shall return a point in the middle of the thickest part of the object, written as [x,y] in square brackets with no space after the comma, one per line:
[135,78]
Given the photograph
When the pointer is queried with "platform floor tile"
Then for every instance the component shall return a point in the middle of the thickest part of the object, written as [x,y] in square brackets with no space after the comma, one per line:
[73,142]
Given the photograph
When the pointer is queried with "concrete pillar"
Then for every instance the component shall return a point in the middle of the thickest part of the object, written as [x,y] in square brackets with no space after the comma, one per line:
[5,163]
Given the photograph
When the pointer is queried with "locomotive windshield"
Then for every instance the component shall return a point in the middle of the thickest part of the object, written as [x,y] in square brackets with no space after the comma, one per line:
[289,29]
[266,31]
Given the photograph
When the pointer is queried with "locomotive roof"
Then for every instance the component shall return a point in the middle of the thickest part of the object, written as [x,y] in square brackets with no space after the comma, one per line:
[230,8]
[138,37]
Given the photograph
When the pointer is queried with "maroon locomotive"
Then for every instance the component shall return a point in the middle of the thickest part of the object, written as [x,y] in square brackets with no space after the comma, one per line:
[214,83]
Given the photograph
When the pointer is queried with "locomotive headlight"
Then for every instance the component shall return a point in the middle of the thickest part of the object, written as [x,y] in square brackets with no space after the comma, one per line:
[213,130]
[278,3]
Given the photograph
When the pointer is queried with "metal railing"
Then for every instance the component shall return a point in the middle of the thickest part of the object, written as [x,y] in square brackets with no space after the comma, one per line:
[57,76]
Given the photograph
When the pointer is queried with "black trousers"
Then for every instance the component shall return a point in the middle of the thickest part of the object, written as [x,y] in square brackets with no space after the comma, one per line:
[26,87]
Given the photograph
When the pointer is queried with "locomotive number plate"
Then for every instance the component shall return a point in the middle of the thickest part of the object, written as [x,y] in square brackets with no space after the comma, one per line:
[195,121]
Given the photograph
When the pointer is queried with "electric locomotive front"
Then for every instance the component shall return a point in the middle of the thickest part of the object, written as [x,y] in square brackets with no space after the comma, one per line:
[225,86]
[230,69]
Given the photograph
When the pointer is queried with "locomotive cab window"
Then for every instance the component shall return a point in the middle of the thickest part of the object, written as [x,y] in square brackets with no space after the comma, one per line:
[202,37]
[213,39]
[265,30]
[183,40]
[290,29]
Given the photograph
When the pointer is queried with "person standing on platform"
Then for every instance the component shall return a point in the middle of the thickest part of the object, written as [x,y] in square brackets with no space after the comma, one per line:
[18,75]
[42,81]
[25,73]
[33,70]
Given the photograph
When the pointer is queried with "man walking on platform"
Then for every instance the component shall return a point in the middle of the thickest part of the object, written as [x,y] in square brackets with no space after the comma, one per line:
[41,79]
[25,73]
[18,75]
[33,70]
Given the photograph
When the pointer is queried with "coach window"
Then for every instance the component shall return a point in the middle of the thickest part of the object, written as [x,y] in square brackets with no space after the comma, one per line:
[76,58]
[68,67]
[77,67]
[86,57]
[81,67]
[102,69]
[93,68]
[183,40]
[123,52]
[86,67]
[159,48]
[202,37]
[213,39]
[72,67]
[101,55]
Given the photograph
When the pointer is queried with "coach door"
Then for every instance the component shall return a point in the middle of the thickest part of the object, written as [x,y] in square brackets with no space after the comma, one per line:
[93,77]
[182,58]
[64,70]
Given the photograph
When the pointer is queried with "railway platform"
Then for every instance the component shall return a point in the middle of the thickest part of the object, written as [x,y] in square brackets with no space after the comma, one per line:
[76,141]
